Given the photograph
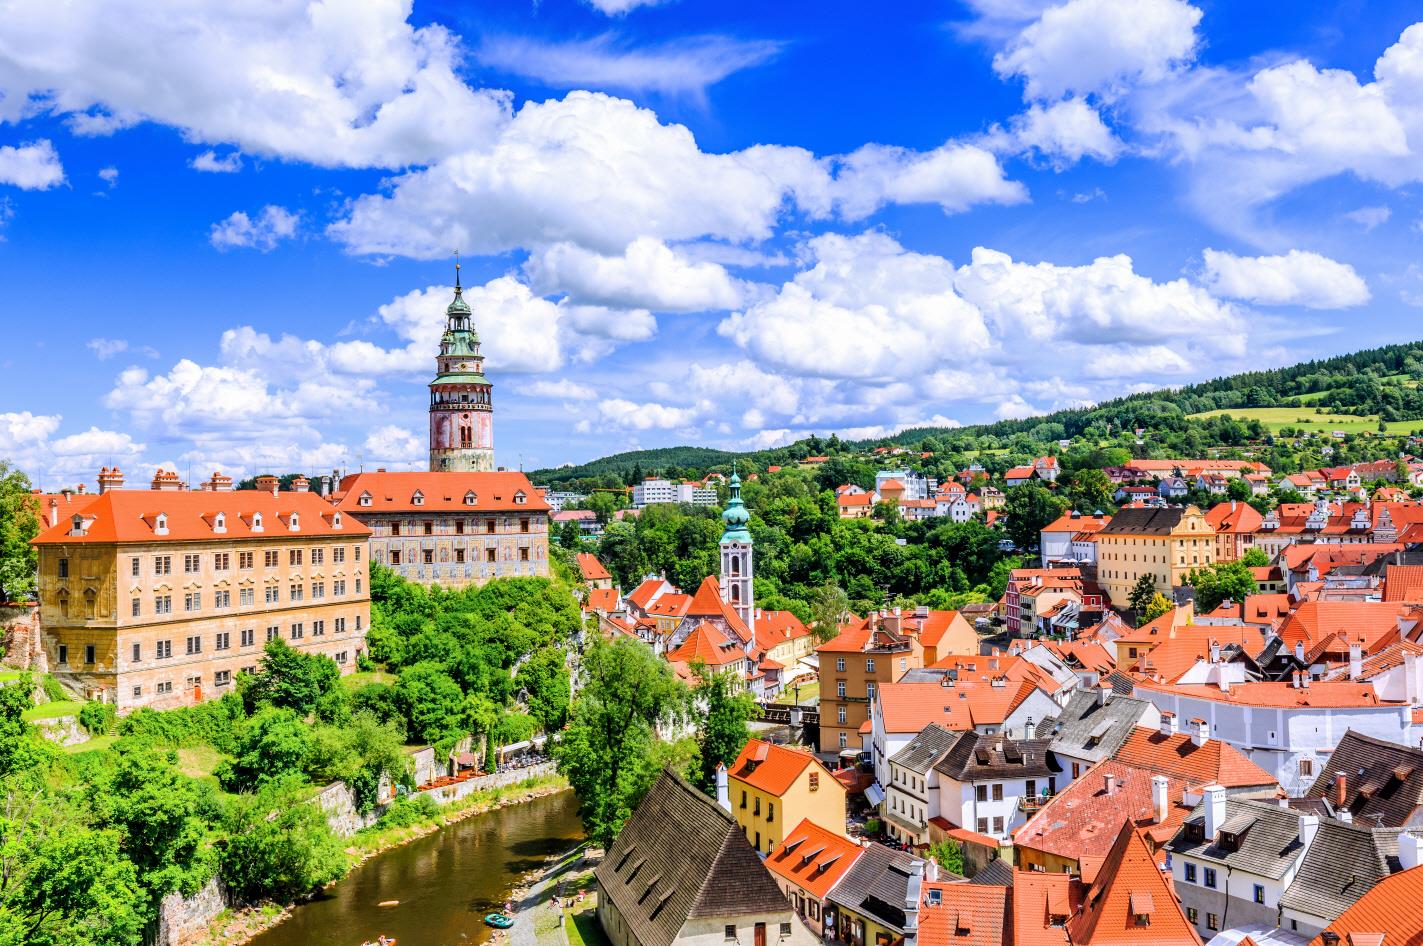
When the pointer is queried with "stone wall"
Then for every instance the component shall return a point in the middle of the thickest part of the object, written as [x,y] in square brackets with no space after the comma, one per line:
[20,629]
[183,920]
[339,804]
[64,730]
[453,792]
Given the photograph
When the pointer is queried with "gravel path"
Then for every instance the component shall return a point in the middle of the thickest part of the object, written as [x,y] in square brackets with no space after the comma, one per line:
[536,902]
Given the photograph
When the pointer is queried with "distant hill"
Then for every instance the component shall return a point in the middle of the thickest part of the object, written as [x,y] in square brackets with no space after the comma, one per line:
[1377,390]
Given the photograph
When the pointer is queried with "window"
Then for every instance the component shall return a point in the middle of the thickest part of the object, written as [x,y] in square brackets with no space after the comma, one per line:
[903,664]
[870,690]
[1259,893]
[523,525]
[165,687]
[1306,766]
[192,564]
[162,604]
[64,568]
[222,599]
[869,665]
[248,636]
[318,589]
[137,652]
[429,556]
[137,692]
[997,791]
[1212,921]
[269,558]
[743,798]
[163,650]
[1190,873]
[840,689]
[980,792]
[298,631]
[273,594]
[997,824]
[730,932]
[841,715]
[489,526]
[358,619]
[756,807]
[318,556]
[770,811]
[88,653]
[982,825]
[338,554]
[64,653]
[318,628]
[840,664]
[244,560]
[1210,876]
[294,557]
[222,561]
[193,601]
[844,741]
[489,555]
[273,632]
[785,929]
[340,625]
[295,593]
[136,606]
[246,597]
[395,556]
[222,678]
[133,566]
[524,557]
[223,641]
[814,781]
[195,645]
[342,657]
[162,564]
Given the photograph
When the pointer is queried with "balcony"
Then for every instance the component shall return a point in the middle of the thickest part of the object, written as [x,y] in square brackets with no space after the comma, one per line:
[1032,804]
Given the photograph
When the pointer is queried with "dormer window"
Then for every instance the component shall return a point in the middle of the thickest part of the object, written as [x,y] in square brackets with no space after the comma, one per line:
[256,522]
[294,523]
[219,522]
[519,498]
[336,520]
[160,524]
[77,525]
[936,897]
[365,499]
[418,499]
[470,499]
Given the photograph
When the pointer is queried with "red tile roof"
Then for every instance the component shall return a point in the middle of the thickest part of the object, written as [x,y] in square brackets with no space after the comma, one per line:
[813,858]
[708,645]
[131,515]
[1333,694]
[1215,762]
[670,605]
[1313,621]
[1042,904]
[1129,885]
[909,707]
[777,627]
[442,492]
[772,768]
[707,603]
[965,915]
[1392,910]
[591,568]
[1186,645]
[1403,583]
[1234,518]
[602,599]
[643,593]
[1073,522]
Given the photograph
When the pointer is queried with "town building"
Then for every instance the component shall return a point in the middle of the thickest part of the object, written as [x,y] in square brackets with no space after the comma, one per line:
[1370,781]
[681,872]
[652,491]
[862,658]
[877,902]
[1092,726]
[1163,543]
[450,529]
[159,599]
[592,571]
[808,865]
[773,787]
[461,399]
[1071,539]
[1390,913]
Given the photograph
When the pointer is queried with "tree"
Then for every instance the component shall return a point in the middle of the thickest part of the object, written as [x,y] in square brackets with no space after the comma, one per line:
[19,523]
[1089,491]
[290,678]
[73,887]
[1227,581]
[1141,594]
[278,845]
[272,744]
[1238,489]
[1255,558]
[828,603]
[948,855]
[1027,508]
[431,701]
[722,731]
[606,751]
[1157,606]
[544,676]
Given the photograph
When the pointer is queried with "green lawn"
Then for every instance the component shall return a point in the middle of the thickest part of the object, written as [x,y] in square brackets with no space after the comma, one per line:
[198,761]
[808,693]
[584,929]
[97,744]
[1304,418]
[53,710]
[355,680]
[8,676]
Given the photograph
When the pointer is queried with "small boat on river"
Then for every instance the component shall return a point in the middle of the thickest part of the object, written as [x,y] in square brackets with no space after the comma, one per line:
[499,921]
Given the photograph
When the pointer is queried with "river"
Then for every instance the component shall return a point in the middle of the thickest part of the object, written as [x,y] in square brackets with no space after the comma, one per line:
[446,881]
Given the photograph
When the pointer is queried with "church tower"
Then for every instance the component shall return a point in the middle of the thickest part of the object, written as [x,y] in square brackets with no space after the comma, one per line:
[736,565]
[461,408]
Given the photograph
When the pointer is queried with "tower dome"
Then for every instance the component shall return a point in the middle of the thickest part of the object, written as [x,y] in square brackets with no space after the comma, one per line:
[735,516]
[461,402]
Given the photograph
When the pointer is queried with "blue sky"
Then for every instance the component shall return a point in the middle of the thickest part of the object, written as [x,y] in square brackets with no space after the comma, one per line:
[226,231]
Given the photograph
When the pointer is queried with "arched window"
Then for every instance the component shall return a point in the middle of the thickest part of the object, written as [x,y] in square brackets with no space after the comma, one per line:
[336,520]
[735,565]
[735,594]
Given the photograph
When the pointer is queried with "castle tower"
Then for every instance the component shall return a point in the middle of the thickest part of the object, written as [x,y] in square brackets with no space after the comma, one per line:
[736,563]
[461,409]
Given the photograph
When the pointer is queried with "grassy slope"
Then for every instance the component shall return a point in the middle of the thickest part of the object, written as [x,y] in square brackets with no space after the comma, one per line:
[1304,418]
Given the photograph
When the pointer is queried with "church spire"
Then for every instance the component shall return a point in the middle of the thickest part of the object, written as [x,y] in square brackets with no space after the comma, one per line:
[737,567]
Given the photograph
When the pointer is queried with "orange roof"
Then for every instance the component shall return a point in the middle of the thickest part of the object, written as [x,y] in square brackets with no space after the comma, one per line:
[132,515]
[1130,884]
[813,858]
[1082,821]
[1152,632]
[602,599]
[1075,522]
[1320,694]
[708,645]
[441,492]
[1313,621]
[777,627]
[772,768]
[643,593]
[1190,643]
[63,505]
[1394,907]
[1196,466]
[1403,583]
[1325,556]
[670,606]
[856,499]
[1215,762]
[707,603]
[978,670]
[591,568]
[1042,904]
[965,914]
[1235,518]
[909,707]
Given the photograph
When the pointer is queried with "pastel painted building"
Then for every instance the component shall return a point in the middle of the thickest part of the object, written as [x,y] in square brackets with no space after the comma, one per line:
[461,400]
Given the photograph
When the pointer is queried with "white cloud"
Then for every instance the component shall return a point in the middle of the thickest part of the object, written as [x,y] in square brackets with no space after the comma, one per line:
[621,7]
[955,176]
[1297,278]
[106,348]
[770,439]
[629,415]
[33,166]
[687,66]
[27,440]
[1100,46]
[330,83]
[20,429]
[1369,217]
[646,275]
[210,162]
[867,308]
[271,226]
[561,389]
[1064,133]
[109,176]
[395,446]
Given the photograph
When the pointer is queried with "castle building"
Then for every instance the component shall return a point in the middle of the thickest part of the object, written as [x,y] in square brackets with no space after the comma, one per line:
[159,598]
[451,529]
[736,563]
[461,406]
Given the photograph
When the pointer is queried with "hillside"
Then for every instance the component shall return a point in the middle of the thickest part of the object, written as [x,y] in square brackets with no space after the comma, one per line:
[622,465]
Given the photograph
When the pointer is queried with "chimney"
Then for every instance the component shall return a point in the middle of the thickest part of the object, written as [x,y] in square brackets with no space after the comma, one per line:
[1104,693]
[1215,651]
[1346,816]
[1356,661]
[1160,785]
[1168,723]
[1200,732]
[1410,678]
[1215,810]
[1341,790]
[301,485]
[1109,783]
[1304,679]
[110,478]
[723,794]
[1410,850]
[1308,828]
[53,513]
[913,892]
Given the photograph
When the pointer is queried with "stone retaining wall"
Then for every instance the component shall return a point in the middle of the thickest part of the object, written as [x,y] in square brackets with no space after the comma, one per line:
[20,628]
[183,920]
[446,794]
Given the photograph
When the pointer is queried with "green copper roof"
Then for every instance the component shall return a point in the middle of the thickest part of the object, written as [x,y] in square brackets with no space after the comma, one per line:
[735,516]
[461,377]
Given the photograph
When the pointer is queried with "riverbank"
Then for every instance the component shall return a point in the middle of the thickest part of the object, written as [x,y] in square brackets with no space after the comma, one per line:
[237,926]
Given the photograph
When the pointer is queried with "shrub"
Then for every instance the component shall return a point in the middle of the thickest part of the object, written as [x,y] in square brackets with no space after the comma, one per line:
[52,690]
[409,809]
[96,717]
